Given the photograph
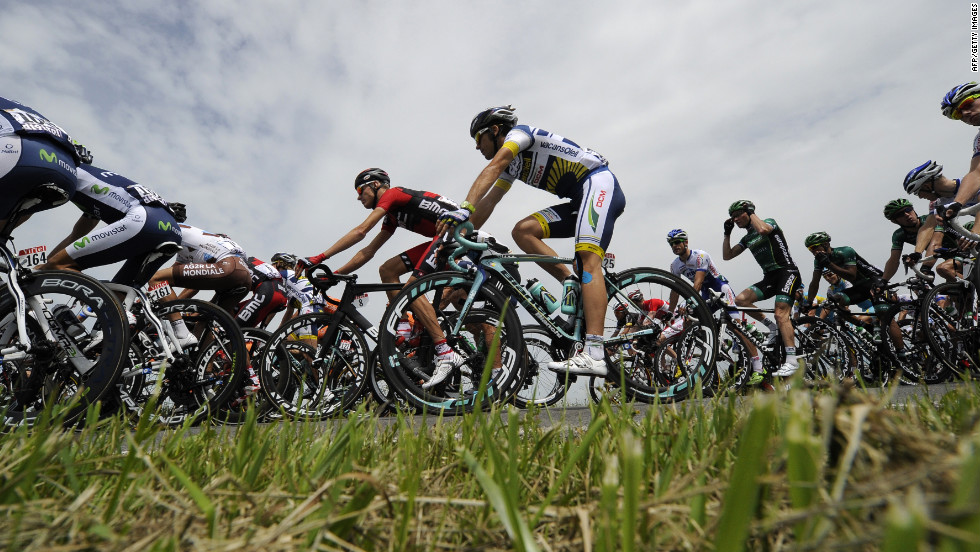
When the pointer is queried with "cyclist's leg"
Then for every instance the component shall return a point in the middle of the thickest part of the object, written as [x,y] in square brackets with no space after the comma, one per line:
[787,283]
[553,222]
[602,202]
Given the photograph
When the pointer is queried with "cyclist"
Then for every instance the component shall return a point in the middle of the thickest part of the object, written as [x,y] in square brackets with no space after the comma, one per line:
[302,298]
[765,239]
[206,261]
[413,210]
[35,153]
[960,104]
[137,221]
[555,164]
[862,275]
[913,229]
[698,267]
[269,295]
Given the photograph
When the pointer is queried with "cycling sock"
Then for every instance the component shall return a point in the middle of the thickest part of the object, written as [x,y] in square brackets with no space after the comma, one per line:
[593,346]
[791,354]
[180,329]
[756,363]
[771,325]
[443,348]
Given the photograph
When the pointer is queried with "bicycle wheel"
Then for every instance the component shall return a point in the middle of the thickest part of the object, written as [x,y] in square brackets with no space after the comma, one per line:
[247,397]
[732,366]
[826,352]
[540,386]
[947,318]
[407,364]
[321,384]
[694,330]
[74,365]
[601,388]
[201,378]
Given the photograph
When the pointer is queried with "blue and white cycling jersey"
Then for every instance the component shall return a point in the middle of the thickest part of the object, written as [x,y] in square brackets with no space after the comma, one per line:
[17,118]
[548,161]
[203,247]
[108,196]
[699,261]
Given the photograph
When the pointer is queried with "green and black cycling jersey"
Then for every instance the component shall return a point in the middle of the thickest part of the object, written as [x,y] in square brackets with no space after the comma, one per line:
[770,251]
[846,257]
[904,235]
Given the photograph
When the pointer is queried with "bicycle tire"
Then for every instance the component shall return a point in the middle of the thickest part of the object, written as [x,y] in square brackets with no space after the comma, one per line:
[236,409]
[952,336]
[405,367]
[202,377]
[540,386]
[326,384]
[74,372]
[699,329]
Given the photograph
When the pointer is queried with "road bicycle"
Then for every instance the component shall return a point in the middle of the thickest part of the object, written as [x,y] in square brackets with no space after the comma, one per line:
[475,306]
[47,355]
[334,377]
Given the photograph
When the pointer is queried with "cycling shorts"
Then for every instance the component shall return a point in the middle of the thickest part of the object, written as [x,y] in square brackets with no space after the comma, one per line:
[27,162]
[131,239]
[590,216]
[268,297]
[226,274]
[856,294]
[781,284]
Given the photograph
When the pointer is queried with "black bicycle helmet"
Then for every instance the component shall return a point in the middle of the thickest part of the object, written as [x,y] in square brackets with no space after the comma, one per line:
[492,116]
[894,206]
[741,205]
[371,175]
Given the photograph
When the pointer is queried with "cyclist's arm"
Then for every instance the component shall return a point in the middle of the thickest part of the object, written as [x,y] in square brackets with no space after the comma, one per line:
[489,175]
[925,239]
[728,251]
[811,291]
[699,277]
[891,265]
[761,226]
[356,234]
[969,184]
[848,273]
[365,254]
[486,206]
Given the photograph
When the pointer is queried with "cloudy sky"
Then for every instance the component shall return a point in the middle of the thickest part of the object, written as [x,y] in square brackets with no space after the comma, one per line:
[259,114]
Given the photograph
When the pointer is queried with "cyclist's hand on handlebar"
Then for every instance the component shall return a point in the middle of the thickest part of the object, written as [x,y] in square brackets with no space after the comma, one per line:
[306,262]
[949,212]
[455,218]
[912,258]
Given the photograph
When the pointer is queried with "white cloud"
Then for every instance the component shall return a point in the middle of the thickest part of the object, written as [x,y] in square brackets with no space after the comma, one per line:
[258,114]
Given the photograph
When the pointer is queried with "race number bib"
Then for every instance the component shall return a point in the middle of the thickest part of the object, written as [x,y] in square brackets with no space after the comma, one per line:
[31,257]
[360,301]
[609,261]
[159,291]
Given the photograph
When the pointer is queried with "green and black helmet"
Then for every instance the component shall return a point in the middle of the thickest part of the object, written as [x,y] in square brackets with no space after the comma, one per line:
[895,206]
[816,238]
[741,205]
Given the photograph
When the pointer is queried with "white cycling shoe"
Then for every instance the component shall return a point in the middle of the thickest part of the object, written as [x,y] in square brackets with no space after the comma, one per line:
[580,364]
[787,369]
[444,366]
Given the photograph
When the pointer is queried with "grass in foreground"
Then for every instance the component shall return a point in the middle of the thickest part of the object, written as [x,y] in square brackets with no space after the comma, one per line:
[798,471]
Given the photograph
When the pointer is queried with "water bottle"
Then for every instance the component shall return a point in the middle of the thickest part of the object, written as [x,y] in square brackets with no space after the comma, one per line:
[571,287]
[68,321]
[542,295]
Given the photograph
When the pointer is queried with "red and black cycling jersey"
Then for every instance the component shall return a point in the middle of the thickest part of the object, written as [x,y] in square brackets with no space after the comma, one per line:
[261,271]
[418,211]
